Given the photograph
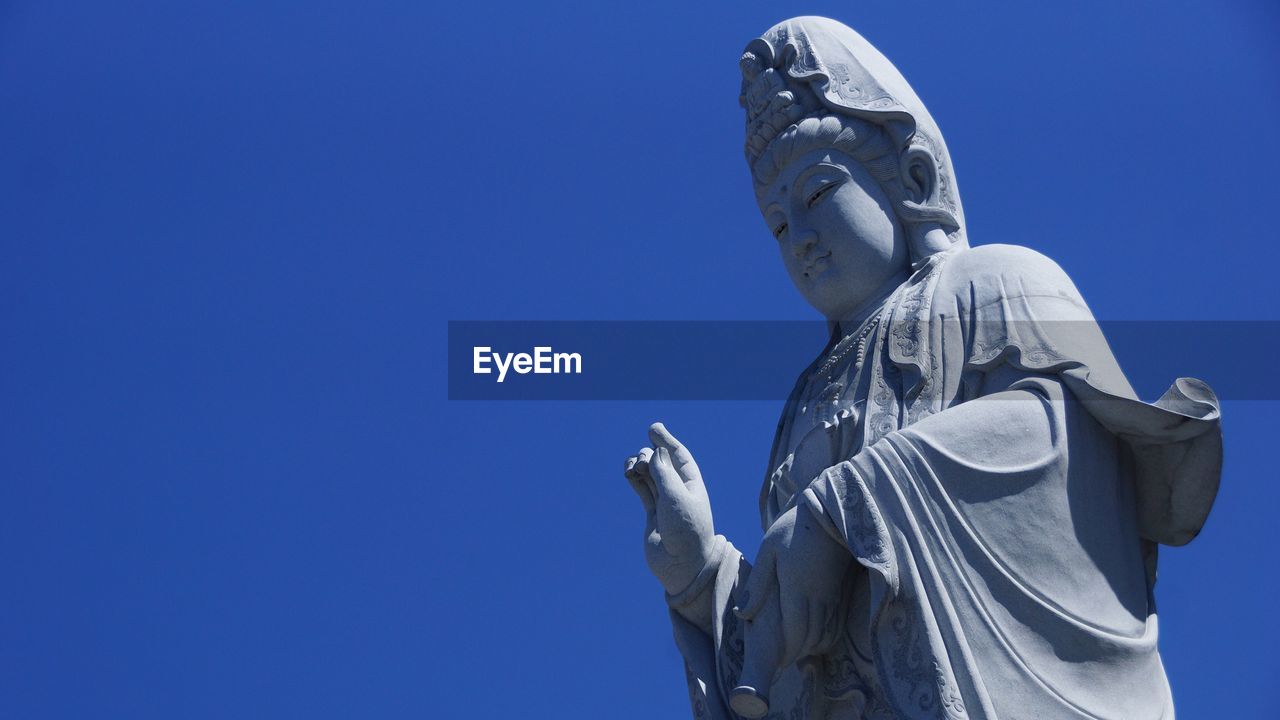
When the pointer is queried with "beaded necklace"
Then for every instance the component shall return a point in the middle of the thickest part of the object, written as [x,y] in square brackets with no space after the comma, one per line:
[842,348]
[823,381]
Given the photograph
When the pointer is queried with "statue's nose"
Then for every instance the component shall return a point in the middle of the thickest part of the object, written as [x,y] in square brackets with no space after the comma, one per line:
[802,242]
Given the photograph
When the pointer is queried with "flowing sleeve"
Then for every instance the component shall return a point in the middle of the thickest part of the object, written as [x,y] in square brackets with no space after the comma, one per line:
[1021,309]
[712,656]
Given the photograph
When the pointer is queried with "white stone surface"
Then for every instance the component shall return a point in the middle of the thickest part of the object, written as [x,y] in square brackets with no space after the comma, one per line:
[965,496]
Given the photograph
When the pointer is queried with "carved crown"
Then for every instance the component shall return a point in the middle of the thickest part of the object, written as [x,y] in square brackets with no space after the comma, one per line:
[771,104]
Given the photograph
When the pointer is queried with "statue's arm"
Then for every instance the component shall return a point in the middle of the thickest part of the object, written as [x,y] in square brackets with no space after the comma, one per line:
[696,604]
[1016,421]
[709,634]
[698,569]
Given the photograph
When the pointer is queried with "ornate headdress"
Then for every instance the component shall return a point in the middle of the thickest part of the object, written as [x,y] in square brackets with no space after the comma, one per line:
[813,67]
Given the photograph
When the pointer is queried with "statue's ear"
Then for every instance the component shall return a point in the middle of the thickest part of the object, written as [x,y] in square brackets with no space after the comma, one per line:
[919,172]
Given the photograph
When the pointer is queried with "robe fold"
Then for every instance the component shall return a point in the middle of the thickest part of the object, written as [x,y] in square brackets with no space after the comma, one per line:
[1002,491]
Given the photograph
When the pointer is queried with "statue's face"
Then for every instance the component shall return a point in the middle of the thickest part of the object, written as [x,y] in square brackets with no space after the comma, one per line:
[840,240]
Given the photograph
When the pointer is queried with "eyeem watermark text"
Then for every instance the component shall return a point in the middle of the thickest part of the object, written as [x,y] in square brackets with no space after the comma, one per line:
[542,362]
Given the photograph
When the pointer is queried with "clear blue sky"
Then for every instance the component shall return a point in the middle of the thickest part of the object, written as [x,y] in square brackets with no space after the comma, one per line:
[231,484]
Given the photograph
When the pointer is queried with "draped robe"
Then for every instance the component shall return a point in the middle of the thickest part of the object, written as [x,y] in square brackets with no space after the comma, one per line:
[1002,491]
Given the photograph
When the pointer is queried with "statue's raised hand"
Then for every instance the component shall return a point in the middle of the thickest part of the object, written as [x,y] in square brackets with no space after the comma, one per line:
[679,533]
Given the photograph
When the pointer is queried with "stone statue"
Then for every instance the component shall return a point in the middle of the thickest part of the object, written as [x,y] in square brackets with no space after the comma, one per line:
[964,496]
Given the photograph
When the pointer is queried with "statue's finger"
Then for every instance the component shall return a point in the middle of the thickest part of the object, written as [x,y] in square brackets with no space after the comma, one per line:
[830,626]
[816,628]
[665,478]
[762,648]
[660,436]
[639,463]
[760,585]
[795,626]
[642,469]
[641,486]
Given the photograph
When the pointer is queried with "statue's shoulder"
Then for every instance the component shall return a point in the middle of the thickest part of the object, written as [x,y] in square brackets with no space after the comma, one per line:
[982,275]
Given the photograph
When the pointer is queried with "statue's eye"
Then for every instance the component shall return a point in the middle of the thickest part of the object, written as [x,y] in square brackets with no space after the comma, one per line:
[777,232]
[821,193]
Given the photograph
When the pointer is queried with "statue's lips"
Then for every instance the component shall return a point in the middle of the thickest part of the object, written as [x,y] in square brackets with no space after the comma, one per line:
[817,265]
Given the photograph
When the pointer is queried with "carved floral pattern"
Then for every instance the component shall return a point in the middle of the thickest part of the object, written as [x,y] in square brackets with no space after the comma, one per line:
[921,685]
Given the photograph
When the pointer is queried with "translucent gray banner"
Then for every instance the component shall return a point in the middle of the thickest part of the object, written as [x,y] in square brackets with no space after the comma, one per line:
[747,360]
